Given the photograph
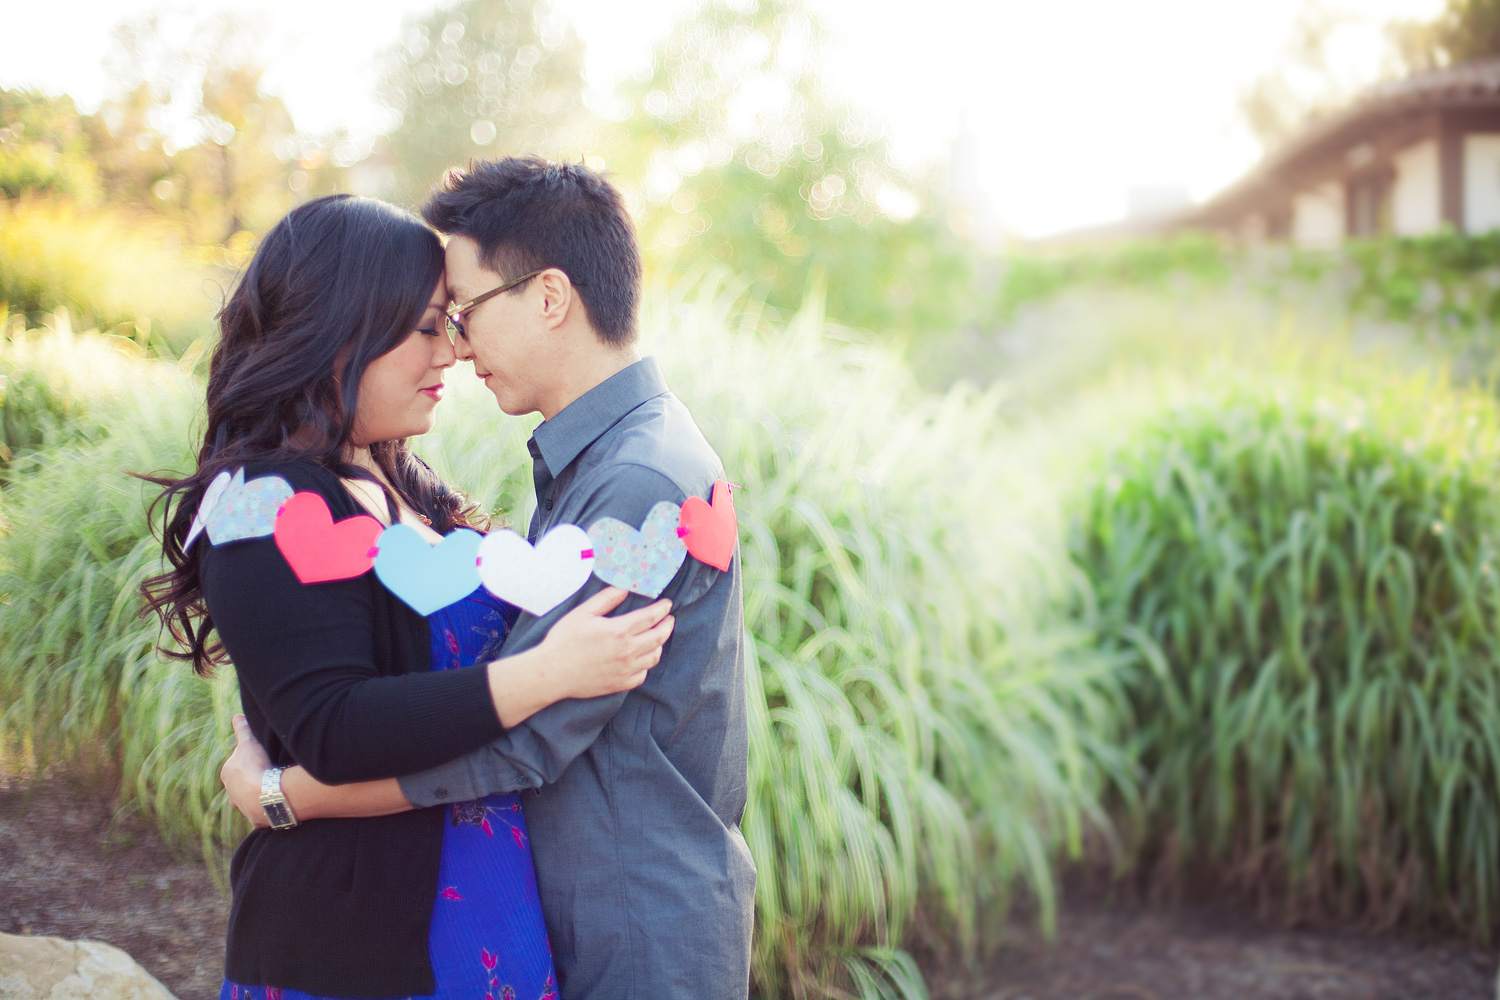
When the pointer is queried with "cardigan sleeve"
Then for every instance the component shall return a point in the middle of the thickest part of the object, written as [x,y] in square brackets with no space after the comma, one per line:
[307,656]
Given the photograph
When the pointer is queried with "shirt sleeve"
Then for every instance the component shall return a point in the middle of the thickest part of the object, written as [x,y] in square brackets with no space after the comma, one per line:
[306,656]
[537,751]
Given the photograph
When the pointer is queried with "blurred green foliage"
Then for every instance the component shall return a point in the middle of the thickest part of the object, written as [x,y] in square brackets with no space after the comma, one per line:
[43,147]
[1445,286]
[1449,282]
[727,144]
[1147,263]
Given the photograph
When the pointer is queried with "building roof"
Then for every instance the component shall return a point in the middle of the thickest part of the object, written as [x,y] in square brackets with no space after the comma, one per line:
[1474,84]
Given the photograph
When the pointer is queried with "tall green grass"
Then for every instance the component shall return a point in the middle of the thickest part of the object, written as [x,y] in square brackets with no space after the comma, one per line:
[1303,572]
[55,388]
[79,673]
[930,729]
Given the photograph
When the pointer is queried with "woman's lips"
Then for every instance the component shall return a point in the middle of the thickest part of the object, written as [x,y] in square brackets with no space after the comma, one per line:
[435,392]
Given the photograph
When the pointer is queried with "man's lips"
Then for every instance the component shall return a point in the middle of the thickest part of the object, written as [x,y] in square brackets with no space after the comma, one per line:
[435,392]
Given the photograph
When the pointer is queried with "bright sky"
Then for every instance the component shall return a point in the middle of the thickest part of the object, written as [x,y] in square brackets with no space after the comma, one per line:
[1067,104]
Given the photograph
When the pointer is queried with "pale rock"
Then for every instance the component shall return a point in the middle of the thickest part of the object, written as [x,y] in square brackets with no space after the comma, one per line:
[49,968]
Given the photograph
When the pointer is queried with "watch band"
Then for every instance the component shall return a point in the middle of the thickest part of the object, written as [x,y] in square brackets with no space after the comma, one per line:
[274,802]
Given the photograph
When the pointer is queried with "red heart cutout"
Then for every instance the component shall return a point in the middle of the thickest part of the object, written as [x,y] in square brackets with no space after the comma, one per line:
[319,550]
[710,531]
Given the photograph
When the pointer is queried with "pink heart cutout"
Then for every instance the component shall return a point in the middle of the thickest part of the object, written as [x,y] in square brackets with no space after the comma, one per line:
[317,549]
[711,530]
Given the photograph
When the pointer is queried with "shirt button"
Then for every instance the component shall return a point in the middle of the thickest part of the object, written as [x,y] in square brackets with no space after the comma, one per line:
[441,793]
[549,503]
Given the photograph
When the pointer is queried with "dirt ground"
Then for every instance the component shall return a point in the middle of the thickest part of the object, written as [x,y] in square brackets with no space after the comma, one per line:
[1106,949]
[70,866]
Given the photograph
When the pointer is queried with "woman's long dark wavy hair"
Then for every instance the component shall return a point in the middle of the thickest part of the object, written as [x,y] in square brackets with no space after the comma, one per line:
[335,284]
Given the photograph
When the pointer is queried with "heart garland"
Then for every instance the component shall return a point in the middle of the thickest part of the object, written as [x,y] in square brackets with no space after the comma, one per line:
[319,550]
[643,561]
[536,579]
[429,577]
[425,576]
[246,510]
[211,498]
[711,530]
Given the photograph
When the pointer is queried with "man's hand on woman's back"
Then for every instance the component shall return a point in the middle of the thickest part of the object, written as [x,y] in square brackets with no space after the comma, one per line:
[242,772]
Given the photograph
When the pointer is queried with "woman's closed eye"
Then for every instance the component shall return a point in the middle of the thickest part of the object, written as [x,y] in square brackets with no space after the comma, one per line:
[429,331]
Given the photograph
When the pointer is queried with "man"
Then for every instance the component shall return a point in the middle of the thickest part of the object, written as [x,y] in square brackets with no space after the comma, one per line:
[634,799]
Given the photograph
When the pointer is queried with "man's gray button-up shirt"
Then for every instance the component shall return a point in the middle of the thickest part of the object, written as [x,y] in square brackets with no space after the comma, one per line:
[647,886]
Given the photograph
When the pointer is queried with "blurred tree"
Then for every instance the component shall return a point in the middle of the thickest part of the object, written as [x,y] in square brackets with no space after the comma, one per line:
[482,77]
[1309,78]
[190,132]
[248,170]
[44,148]
[734,152]
[1467,29]
[1414,45]
[129,148]
[1316,71]
[140,126]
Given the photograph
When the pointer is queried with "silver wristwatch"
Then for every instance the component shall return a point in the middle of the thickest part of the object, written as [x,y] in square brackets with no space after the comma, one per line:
[274,802]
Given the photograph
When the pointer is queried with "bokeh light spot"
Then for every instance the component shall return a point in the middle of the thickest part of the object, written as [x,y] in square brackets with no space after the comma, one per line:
[482,132]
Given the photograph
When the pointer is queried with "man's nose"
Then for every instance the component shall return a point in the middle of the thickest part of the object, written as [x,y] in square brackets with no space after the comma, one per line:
[446,353]
[461,349]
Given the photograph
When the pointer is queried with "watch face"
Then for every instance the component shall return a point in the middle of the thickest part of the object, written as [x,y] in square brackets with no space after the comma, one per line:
[279,815]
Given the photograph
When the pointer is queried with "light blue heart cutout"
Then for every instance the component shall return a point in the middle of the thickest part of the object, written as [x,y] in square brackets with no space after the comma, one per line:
[427,577]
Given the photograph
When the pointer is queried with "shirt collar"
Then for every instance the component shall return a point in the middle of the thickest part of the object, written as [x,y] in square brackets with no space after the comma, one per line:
[583,421]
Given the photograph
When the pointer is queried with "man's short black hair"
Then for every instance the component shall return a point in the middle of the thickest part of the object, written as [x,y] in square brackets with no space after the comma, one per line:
[527,214]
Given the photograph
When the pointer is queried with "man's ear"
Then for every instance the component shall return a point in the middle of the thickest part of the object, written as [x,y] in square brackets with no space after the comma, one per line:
[557,297]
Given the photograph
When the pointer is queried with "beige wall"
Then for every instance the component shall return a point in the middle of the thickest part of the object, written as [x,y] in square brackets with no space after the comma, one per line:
[1318,216]
[1481,183]
[1416,197]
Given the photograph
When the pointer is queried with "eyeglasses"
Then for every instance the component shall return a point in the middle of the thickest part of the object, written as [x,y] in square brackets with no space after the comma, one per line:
[455,313]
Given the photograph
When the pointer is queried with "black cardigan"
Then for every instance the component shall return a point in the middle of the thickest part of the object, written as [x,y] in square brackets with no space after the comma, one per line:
[337,677]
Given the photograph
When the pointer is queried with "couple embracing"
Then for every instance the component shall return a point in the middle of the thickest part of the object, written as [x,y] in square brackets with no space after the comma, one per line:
[482,803]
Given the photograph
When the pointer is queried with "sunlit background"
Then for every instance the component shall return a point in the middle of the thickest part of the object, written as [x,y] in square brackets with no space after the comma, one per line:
[1112,386]
[1047,115]
[883,155]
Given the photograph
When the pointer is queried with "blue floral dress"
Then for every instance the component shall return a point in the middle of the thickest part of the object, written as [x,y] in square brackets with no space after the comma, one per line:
[488,941]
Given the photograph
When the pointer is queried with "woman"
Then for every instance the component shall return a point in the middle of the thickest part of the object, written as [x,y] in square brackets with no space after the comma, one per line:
[332,354]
